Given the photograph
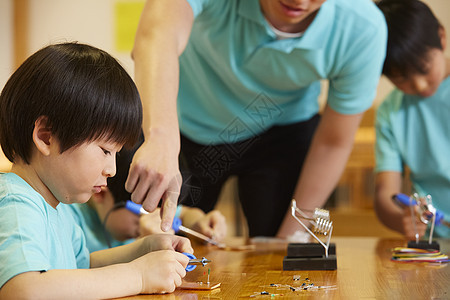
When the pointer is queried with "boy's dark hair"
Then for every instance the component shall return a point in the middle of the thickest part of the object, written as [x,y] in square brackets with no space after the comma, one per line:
[413,30]
[84,93]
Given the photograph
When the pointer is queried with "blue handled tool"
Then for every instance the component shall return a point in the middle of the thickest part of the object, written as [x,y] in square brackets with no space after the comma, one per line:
[426,210]
[176,225]
[194,262]
[135,208]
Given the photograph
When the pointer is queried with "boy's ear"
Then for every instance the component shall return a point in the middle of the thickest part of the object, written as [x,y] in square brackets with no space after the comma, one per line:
[443,36]
[42,135]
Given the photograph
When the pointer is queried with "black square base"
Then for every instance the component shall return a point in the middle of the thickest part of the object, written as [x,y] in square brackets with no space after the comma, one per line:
[309,250]
[309,256]
[424,245]
[310,263]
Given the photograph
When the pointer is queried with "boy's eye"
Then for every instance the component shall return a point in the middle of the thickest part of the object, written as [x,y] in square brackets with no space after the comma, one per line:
[106,152]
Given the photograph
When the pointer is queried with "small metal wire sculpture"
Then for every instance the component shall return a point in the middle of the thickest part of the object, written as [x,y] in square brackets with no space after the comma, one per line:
[426,212]
[320,221]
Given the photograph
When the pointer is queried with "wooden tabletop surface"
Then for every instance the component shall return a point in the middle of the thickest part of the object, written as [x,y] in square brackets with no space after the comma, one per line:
[364,271]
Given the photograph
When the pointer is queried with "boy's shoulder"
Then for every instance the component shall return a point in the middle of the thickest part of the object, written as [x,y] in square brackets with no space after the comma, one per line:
[12,185]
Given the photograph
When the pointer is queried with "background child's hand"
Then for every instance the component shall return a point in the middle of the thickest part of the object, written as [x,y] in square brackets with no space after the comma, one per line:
[212,224]
[151,224]
[157,242]
[161,271]
[408,226]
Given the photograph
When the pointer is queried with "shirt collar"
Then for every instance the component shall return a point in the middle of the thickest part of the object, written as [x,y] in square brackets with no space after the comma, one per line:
[313,38]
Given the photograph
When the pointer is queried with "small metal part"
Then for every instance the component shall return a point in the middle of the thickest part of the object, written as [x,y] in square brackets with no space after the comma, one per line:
[199,261]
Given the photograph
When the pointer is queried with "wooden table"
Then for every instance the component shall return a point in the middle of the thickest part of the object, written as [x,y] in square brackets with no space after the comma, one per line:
[364,271]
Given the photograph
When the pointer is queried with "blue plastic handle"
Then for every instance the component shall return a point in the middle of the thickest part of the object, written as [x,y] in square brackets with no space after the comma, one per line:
[190,267]
[439,216]
[133,207]
[404,199]
[137,209]
[176,224]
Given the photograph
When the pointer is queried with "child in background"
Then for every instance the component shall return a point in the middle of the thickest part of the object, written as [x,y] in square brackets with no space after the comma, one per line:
[106,223]
[64,114]
[412,127]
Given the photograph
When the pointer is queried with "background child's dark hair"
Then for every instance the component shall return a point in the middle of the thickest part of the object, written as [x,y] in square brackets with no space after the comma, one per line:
[116,184]
[84,93]
[413,30]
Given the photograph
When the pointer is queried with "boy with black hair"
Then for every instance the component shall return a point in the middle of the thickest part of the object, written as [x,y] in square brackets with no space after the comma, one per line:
[64,114]
[412,127]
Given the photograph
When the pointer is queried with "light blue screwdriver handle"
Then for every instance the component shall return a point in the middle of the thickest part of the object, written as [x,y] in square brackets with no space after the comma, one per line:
[404,199]
[138,210]
[176,224]
[190,267]
[135,208]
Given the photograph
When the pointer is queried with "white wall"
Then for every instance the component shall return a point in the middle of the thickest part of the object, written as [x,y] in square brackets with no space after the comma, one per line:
[6,55]
[6,41]
[84,21]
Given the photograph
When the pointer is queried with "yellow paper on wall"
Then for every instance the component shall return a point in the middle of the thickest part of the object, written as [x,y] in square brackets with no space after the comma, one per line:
[126,19]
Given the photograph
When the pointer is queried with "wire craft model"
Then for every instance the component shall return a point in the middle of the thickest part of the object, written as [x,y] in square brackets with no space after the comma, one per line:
[312,256]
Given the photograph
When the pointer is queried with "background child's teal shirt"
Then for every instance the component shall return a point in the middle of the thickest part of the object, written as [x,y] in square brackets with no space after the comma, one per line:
[96,237]
[237,80]
[415,131]
[33,235]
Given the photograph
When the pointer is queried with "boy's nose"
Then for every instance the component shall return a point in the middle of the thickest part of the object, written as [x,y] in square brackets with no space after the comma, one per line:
[110,168]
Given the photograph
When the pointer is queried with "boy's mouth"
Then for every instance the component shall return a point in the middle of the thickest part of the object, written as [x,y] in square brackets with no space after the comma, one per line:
[97,189]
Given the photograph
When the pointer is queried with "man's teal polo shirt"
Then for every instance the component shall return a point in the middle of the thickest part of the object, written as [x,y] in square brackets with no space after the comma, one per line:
[237,80]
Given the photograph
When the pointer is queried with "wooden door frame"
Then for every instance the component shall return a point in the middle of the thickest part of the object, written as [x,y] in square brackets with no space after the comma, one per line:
[20,31]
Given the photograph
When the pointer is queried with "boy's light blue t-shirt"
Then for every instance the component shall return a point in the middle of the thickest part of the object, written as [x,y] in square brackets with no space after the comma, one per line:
[237,80]
[33,235]
[415,132]
[96,238]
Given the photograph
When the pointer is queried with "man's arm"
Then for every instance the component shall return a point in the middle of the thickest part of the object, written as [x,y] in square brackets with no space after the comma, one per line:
[324,164]
[162,35]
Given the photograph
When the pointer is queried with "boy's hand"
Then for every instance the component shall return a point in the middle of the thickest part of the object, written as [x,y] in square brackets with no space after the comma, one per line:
[213,225]
[151,224]
[157,242]
[408,226]
[161,271]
